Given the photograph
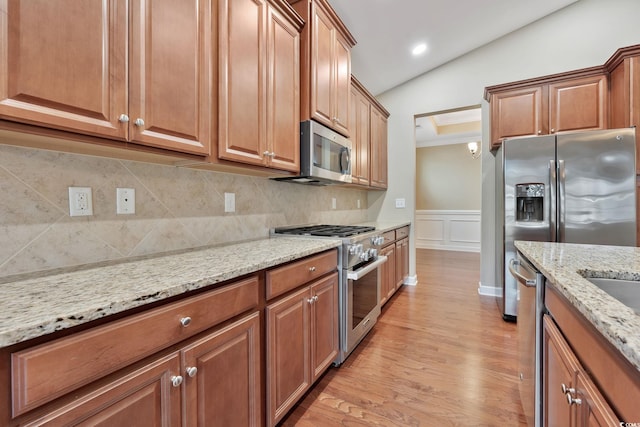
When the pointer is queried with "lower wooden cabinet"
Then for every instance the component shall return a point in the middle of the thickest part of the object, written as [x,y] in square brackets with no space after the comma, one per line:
[402,261]
[145,397]
[388,273]
[302,341]
[570,398]
[222,376]
[214,381]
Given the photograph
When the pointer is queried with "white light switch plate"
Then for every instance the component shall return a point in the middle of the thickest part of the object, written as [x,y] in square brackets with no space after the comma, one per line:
[400,203]
[229,202]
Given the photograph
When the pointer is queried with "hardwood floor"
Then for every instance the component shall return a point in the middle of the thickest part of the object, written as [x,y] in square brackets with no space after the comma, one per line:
[440,355]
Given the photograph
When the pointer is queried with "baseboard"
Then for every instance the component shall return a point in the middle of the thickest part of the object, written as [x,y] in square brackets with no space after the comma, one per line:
[489,291]
[410,280]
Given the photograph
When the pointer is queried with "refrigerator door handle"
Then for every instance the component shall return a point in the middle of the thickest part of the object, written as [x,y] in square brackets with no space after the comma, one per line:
[552,201]
[561,204]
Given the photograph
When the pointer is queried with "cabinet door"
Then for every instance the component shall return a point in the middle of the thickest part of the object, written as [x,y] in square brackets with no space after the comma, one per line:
[283,108]
[324,324]
[169,75]
[224,388]
[145,397]
[322,63]
[402,261]
[518,112]
[64,64]
[592,409]
[559,369]
[378,156]
[342,85]
[388,274]
[360,128]
[288,353]
[242,126]
[578,104]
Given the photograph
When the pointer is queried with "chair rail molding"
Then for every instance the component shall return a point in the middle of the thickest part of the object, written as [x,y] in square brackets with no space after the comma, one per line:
[451,230]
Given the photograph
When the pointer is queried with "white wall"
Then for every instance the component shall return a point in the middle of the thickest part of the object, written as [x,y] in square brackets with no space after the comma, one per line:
[582,35]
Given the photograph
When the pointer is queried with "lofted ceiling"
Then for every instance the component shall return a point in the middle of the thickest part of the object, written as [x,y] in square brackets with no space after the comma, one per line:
[450,127]
[387,31]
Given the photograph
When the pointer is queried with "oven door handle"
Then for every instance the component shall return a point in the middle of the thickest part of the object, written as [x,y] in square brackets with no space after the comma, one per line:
[355,275]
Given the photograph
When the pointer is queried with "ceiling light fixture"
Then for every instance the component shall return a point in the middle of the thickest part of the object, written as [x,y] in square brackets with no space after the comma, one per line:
[419,49]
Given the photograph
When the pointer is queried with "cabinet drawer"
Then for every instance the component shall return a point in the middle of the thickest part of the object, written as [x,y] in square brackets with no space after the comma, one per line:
[401,233]
[389,236]
[47,371]
[283,279]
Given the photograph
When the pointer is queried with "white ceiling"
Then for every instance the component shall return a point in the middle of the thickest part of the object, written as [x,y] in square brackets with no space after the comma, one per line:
[454,127]
[387,30]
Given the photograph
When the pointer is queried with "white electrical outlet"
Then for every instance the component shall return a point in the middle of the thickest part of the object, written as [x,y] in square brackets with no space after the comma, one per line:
[333,203]
[358,203]
[125,201]
[400,203]
[80,201]
[229,202]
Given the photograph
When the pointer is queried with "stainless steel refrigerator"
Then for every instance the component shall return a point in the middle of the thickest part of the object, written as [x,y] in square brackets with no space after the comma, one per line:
[575,188]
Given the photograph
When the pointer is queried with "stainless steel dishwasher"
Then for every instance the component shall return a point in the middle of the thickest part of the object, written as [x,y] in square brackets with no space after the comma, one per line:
[529,326]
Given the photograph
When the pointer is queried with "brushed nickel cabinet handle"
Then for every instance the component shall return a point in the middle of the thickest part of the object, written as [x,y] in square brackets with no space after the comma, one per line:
[139,122]
[176,380]
[123,118]
[185,321]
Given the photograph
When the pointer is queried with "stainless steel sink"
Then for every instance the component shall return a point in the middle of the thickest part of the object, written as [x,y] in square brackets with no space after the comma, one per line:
[625,291]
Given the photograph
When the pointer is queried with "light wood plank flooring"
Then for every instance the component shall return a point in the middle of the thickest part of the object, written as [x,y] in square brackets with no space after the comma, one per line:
[440,355]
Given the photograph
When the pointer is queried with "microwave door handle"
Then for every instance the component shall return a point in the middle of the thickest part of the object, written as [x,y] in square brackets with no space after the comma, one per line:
[356,275]
[344,155]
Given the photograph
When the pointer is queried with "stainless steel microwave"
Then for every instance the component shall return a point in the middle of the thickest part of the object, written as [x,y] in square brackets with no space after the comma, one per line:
[325,156]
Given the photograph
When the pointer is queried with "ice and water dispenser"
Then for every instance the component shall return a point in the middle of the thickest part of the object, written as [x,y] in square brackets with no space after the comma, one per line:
[529,202]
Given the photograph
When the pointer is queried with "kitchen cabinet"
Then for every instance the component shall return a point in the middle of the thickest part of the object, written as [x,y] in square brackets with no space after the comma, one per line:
[109,69]
[388,273]
[325,65]
[570,397]
[259,89]
[602,384]
[561,103]
[368,125]
[393,273]
[402,261]
[218,375]
[378,151]
[117,369]
[302,341]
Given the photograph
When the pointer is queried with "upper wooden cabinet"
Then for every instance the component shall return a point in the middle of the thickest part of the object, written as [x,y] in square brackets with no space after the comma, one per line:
[561,103]
[325,65]
[624,92]
[368,124]
[259,82]
[129,70]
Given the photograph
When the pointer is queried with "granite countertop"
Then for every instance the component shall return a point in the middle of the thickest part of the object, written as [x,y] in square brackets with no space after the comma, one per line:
[384,226]
[561,262]
[35,306]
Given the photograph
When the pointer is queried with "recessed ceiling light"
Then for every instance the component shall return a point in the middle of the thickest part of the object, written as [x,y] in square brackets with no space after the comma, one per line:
[419,49]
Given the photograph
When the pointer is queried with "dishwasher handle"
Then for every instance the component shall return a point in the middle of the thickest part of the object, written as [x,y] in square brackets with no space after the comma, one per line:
[513,269]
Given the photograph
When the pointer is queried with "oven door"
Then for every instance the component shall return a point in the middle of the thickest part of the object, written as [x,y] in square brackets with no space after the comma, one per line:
[363,301]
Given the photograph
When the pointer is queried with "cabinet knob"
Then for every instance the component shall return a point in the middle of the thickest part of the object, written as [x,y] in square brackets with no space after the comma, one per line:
[192,371]
[123,118]
[573,401]
[272,154]
[315,298]
[310,300]
[176,380]
[312,269]
[553,130]
[337,120]
[566,389]
[185,321]
[539,132]
[139,122]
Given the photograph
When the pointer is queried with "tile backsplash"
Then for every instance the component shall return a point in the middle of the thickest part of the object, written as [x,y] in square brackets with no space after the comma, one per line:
[176,208]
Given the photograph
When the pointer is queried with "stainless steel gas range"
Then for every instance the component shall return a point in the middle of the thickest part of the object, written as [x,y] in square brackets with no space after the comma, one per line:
[358,265]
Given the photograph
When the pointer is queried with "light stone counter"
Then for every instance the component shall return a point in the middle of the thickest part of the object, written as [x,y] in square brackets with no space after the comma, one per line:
[384,226]
[36,306]
[561,262]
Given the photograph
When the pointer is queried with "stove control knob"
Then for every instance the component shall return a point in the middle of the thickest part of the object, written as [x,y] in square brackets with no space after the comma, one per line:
[377,240]
[364,256]
[373,253]
[355,249]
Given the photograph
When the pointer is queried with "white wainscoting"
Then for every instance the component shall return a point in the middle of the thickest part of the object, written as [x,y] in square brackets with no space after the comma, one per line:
[448,230]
